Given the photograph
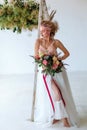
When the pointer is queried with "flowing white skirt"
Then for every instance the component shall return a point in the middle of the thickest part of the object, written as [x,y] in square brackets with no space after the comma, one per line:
[44,102]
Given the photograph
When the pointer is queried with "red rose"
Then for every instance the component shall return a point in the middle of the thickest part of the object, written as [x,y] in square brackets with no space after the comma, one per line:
[37,57]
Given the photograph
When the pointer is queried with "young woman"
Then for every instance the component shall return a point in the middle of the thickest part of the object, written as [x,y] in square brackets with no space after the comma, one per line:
[54,101]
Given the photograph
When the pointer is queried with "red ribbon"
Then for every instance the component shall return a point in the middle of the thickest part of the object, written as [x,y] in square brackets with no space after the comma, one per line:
[44,78]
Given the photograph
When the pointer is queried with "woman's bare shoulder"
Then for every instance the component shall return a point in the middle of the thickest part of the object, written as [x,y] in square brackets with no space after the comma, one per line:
[57,42]
[39,40]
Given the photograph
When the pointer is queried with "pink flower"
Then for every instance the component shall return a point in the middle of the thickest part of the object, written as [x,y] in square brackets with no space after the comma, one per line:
[45,62]
[54,66]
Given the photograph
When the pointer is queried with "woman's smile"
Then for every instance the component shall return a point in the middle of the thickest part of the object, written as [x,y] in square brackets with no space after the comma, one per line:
[45,31]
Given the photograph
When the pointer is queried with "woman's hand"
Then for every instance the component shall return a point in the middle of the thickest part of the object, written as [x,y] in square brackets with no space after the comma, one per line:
[60,58]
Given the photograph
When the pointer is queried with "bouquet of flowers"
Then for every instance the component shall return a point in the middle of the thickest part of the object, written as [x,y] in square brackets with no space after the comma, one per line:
[50,64]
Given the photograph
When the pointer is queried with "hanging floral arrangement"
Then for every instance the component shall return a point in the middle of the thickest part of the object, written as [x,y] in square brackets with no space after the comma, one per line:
[18,15]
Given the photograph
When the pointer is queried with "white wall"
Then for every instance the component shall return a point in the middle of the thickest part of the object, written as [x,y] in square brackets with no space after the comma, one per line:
[71,16]
[15,51]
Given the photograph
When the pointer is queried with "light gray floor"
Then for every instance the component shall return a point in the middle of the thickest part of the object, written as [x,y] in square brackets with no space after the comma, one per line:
[16,100]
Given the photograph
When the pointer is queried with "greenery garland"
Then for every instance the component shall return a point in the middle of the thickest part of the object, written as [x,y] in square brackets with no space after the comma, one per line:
[19,15]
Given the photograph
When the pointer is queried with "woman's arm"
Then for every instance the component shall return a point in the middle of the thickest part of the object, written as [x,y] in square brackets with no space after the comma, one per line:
[63,49]
[36,48]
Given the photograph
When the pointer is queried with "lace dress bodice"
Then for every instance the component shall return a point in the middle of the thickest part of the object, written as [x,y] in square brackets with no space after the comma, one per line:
[49,50]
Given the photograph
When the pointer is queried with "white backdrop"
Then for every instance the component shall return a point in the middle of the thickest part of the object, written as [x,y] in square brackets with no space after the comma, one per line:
[71,16]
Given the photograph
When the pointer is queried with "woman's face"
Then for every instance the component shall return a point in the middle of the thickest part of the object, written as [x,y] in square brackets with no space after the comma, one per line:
[45,31]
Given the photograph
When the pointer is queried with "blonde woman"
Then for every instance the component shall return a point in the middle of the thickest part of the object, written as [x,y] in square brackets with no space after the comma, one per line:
[54,102]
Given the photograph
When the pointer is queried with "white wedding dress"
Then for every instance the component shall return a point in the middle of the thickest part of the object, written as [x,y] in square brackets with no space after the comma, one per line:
[46,108]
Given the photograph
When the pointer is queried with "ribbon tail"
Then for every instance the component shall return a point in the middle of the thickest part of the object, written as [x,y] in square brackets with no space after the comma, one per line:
[48,91]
